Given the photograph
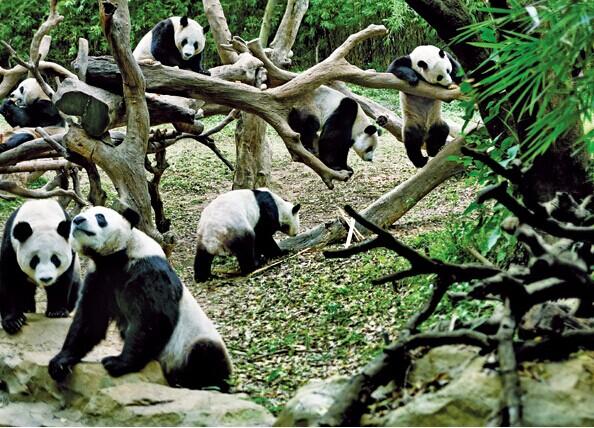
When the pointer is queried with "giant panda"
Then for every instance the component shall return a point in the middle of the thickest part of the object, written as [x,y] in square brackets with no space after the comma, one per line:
[343,125]
[422,116]
[176,41]
[29,106]
[36,251]
[131,282]
[242,223]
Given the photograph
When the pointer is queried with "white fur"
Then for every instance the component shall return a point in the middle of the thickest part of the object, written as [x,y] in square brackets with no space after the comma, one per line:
[192,325]
[235,212]
[118,235]
[142,52]
[327,100]
[43,216]
[28,92]
[436,64]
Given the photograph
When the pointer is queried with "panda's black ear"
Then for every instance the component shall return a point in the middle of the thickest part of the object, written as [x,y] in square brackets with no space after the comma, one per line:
[296,208]
[205,29]
[441,53]
[132,216]
[423,65]
[22,231]
[183,21]
[64,229]
[370,130]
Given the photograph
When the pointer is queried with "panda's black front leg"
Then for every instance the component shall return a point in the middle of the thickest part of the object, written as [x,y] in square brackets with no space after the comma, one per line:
[413,141]
[266,245]
[436,137]
[197,65]
[202,264]
[57,300]
[88,327]
[13,303]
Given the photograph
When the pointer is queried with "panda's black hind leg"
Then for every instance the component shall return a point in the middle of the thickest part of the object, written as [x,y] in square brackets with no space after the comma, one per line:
[206,366]
[413,141]
[436,138]
[244,249]
[202,264]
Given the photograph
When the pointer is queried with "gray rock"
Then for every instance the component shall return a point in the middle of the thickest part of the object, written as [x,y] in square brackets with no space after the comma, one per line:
[91,397]
[311,402]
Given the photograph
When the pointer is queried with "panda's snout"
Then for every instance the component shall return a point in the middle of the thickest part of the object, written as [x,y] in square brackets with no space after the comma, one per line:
[46,279]
[79,220]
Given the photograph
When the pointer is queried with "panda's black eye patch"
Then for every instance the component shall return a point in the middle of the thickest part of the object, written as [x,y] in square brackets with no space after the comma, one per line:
[369,149]
[439,78]
[34,262]
[449,71]
[56,261]
[195,45]
[22,89]
[184,42]
[101,220]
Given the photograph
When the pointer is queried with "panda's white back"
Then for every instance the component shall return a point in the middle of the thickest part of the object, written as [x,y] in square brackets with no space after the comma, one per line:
[229,214]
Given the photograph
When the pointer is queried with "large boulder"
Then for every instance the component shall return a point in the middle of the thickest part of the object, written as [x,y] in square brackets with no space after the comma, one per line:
[455,386]
[91,397]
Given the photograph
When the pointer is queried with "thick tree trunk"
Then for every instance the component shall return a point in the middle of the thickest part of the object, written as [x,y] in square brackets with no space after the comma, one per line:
[267,22]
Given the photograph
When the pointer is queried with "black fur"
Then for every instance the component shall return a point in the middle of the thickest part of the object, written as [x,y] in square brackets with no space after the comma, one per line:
[307,125]
[251,248]
[436,137]
[413,141]
[456,73]
[16,140]
[164,50]
[402,68]
[17,292]
[39,113]
[337,135]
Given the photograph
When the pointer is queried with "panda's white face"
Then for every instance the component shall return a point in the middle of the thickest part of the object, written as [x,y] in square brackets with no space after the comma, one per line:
[189,36]
[27,92]
[366,143]
[433,64]
[100,230]
[39,237]
[288,216]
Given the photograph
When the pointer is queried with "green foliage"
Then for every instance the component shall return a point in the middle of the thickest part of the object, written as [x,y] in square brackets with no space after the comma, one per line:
[530,65]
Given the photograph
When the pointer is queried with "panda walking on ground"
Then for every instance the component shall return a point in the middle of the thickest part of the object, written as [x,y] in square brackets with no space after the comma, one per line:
[131,282]
[176,41]
[35,251]
[422,116]
[242,223]
[344,125]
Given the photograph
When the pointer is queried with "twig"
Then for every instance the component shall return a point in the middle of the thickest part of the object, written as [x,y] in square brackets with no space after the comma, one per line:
[233,115]
[52,142]
[477,255]
[278,262]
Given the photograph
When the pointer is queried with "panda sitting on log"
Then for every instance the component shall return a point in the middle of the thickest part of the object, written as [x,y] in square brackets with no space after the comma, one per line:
[175,41]
[29,106]
[422,116]
[343,123]
[131,282]
[36,251]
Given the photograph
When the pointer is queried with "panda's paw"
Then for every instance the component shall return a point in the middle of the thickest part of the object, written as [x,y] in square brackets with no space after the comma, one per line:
[59,313]
[59,367]
[116,366]
[13,323]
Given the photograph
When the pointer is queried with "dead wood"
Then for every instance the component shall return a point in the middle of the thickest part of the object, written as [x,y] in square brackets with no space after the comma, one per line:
[37,165]
[280,47]
[15,189]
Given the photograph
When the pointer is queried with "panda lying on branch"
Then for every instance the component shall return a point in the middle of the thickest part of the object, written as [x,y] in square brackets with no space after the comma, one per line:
[29,106]
[422,116]
[176,41]
[131,282]
[343,123]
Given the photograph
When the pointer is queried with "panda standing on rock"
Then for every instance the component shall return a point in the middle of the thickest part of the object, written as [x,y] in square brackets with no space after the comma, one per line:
[174,42]
[422,116]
